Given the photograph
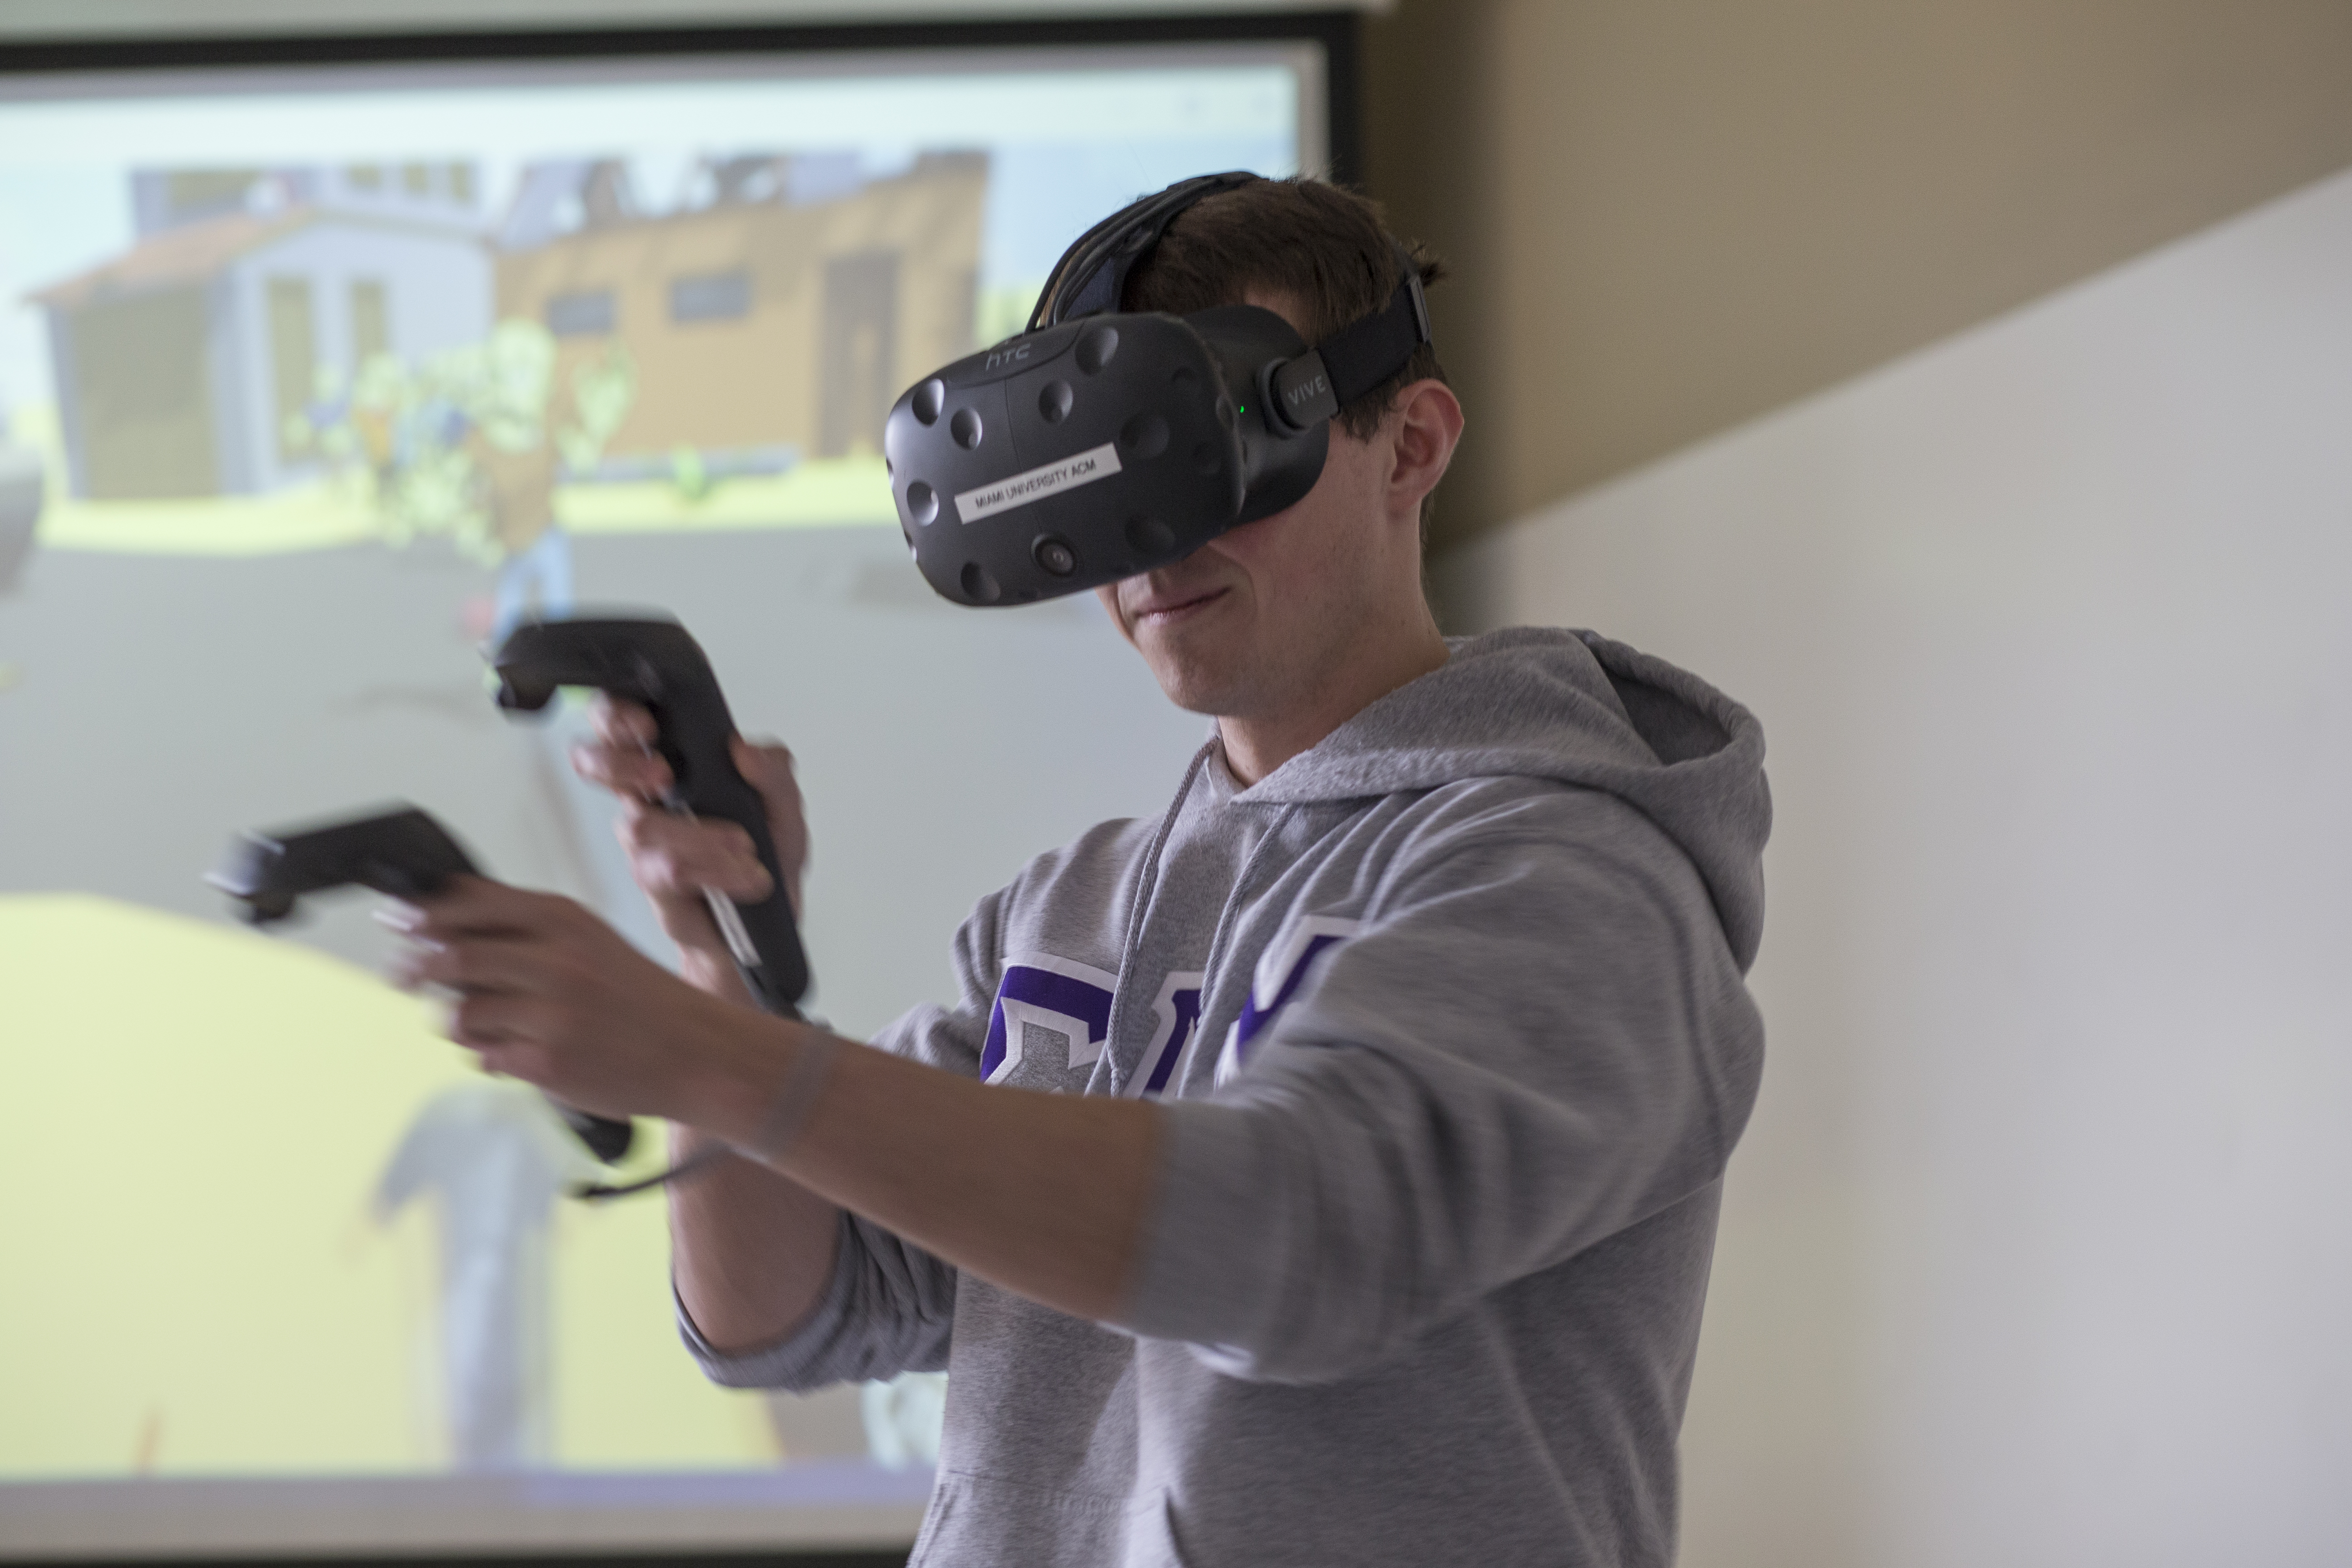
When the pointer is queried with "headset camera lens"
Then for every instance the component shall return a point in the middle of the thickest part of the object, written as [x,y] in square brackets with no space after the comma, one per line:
[1055,556]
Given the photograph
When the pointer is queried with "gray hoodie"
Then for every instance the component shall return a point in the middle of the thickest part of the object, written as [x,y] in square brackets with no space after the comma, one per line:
[1448,1020]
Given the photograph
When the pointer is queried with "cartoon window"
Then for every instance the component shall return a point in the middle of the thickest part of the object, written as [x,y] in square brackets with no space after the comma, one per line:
[858,353]
[710,297]
[586,314]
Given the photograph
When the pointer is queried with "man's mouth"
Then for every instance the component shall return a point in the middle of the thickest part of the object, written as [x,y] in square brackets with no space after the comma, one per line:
[1164,610]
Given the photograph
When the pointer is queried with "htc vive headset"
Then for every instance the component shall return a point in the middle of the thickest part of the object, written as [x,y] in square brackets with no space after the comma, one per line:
[1100,444]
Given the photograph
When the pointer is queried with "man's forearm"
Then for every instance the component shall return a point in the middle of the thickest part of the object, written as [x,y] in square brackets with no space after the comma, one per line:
[1042,1194]
[751,1251]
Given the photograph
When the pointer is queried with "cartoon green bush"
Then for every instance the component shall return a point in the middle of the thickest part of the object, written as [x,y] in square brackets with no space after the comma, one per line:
[466,444]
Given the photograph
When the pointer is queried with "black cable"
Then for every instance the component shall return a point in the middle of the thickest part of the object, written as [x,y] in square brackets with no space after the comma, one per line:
[598,1191]
[601,1192]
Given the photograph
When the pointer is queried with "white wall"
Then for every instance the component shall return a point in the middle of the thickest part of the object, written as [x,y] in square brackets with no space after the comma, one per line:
[2040,1247]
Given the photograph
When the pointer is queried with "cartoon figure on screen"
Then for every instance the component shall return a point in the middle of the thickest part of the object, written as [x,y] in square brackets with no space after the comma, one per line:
[21,489]
[471,443]
[903,1418]
[497,1159]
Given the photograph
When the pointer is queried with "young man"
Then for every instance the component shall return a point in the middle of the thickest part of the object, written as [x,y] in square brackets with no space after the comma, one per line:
[1325,1172]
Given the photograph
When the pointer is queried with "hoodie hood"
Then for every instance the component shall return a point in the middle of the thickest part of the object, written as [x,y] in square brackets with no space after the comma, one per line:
[1577,708]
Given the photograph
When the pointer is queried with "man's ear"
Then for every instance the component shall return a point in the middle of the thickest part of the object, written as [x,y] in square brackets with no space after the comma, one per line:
[1428,427]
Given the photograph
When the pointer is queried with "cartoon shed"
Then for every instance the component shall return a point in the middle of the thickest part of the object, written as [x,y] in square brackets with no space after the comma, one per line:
[178,364]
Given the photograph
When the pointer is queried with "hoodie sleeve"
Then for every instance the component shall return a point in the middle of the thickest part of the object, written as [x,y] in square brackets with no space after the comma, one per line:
[1538,1038]
[890,1305]
[889,1308]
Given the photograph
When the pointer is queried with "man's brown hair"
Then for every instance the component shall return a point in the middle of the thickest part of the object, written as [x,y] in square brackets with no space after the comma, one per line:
[1324,249]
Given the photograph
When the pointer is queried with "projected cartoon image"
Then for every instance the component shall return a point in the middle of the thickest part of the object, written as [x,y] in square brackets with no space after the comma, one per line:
[305,397]
[270,332]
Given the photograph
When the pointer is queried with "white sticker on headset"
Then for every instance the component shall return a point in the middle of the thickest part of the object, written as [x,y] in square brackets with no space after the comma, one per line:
[1081,468]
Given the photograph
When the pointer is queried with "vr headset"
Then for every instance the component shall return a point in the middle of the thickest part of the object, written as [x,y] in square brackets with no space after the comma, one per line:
[1100,444]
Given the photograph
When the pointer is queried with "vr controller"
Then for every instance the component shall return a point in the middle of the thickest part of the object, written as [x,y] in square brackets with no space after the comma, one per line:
[400,851]
[406,853]
[652,661]
[1101,444]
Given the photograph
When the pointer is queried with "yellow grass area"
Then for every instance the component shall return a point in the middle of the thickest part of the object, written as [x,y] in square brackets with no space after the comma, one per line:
[310,517]
[198,1116]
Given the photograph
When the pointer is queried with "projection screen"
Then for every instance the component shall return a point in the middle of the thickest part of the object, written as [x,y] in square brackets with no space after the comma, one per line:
[314,378]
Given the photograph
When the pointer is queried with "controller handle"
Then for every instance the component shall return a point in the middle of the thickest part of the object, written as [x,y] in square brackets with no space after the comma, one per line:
[398,850]
[652,661]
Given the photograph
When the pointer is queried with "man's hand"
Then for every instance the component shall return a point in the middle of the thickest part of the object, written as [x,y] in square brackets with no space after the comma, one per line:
[674,858]
[548,993]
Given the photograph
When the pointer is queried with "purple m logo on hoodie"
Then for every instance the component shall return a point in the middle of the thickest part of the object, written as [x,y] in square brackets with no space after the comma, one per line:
[1282,972]
[1046,999]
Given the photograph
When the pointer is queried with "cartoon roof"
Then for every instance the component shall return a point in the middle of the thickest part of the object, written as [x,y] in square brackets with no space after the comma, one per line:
[194,251]
[182,255]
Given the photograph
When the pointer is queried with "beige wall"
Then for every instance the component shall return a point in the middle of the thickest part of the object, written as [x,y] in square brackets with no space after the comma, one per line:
[1670,215]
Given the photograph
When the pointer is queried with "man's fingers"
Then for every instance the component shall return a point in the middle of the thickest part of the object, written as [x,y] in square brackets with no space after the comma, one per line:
[676,856]
[500,1028]
[478,906]
[477,966]
[627,770]
[685,873]
[620,723]
[767,764]
[769,767]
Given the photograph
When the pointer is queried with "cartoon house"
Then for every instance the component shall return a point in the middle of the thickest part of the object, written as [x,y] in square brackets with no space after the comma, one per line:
[781,308]
[179,363]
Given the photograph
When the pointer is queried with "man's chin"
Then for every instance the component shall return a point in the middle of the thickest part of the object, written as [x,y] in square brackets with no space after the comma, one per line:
[1195,685]
[1189,693]
[1200,657]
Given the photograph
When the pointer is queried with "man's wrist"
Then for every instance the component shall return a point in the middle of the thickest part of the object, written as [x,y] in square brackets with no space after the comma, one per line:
[746,1059]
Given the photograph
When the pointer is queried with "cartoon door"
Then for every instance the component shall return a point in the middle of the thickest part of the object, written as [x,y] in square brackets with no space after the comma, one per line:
[858,367]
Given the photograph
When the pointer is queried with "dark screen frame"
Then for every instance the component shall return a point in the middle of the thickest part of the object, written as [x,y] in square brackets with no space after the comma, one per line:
[1336,33]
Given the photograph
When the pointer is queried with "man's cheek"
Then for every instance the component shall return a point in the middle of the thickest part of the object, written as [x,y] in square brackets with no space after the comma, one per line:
[1107,596]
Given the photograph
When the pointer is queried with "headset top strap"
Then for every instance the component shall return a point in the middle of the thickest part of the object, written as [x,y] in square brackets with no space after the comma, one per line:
[1091,277]
[1092,274]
